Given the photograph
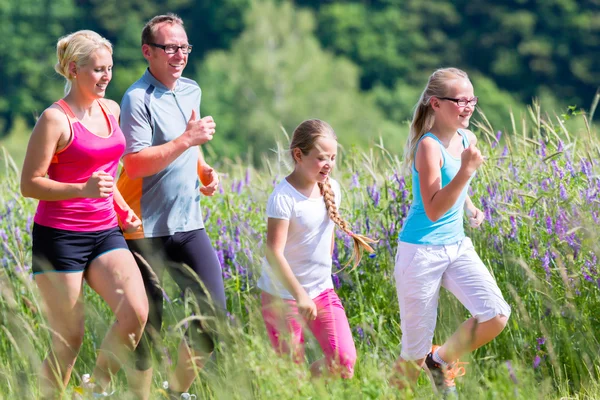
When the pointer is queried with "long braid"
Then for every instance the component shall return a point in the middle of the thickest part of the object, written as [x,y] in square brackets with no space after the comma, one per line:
[360,242]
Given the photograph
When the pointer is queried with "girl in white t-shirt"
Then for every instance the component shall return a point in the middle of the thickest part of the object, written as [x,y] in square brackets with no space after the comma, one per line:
[296,281]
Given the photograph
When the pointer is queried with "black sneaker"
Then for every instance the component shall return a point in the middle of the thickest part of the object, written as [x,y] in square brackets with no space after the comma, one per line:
[442,377]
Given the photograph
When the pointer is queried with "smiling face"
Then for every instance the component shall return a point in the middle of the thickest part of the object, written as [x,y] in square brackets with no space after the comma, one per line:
[167,68]
[448,112]
[93,77]
[320,160]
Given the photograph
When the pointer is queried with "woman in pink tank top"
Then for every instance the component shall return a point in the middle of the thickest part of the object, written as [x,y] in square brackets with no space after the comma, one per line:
[70,165]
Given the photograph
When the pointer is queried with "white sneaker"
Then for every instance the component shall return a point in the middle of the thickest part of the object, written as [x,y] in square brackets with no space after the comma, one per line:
[88,386]
[184,396]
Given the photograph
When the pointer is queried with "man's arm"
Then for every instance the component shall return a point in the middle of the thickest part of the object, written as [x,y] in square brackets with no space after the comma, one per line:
[143,159]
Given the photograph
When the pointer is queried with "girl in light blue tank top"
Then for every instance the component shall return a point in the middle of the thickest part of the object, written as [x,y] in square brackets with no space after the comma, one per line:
[418,228]
[433,251]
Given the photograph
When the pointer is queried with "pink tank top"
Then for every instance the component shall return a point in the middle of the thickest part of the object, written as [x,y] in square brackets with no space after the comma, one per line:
[85,154]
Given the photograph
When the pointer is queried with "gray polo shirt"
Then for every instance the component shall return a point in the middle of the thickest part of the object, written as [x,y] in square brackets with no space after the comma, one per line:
[151,115]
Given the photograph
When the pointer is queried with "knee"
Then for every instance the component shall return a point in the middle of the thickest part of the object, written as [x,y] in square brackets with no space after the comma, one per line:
[497,324]
[132,321]
[66,346]
[500,321]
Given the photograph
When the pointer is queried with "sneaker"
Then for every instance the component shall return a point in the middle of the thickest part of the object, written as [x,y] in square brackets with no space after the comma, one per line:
[175,396]
[443,376]
[86,390]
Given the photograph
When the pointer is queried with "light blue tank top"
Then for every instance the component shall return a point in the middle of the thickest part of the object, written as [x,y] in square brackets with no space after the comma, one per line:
[449,229]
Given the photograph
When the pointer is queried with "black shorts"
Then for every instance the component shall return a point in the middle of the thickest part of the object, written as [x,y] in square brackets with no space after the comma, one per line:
[59,250]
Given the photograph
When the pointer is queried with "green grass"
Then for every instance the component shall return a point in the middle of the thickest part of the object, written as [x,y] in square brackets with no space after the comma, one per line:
[541,193]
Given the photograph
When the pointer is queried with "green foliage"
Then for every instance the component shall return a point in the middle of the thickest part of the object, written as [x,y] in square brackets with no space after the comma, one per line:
[377,53]
[276,74]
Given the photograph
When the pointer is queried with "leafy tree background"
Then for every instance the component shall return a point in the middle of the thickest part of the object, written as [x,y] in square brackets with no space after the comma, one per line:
[268,64]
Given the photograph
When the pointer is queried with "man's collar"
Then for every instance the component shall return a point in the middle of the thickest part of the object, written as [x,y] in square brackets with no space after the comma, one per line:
[155,82]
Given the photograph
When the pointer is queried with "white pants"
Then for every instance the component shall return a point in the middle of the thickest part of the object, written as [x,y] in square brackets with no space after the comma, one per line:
[420,272]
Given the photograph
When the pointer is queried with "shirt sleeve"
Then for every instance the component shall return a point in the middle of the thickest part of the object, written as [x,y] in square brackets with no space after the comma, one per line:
[135,123]
[280,206]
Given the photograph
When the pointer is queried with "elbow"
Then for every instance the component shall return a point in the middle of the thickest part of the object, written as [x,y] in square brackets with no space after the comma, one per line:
[130,169]
[26,189]
[432,215]
[271,254]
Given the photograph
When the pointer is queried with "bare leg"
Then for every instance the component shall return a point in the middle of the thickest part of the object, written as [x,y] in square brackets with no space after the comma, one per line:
[471,335]
[116,278]
[189,362]
[406,373]
[140,382]
[62,297]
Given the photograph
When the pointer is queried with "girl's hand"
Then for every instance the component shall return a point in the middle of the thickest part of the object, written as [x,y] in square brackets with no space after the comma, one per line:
[476,217]
[307,307]
[471,159]
[131,222]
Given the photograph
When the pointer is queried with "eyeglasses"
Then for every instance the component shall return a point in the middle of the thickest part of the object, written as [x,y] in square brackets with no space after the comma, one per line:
[173,48]
[462,102]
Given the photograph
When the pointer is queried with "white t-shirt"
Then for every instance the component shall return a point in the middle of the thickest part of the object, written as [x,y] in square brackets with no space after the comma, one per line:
[308,246]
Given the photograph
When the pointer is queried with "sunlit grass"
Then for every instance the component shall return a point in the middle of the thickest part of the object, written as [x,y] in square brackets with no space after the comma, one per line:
[541,192]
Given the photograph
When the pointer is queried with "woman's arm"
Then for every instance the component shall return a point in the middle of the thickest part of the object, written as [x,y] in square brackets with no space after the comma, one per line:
[50,133]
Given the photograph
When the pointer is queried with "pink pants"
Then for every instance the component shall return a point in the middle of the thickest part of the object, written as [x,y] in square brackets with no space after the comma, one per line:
[284,327]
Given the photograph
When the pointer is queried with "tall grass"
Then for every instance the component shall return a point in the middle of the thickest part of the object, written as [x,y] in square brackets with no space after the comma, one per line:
[540,191]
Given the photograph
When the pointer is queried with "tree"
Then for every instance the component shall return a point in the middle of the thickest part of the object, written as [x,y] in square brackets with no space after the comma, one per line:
[276,74]
[29,30]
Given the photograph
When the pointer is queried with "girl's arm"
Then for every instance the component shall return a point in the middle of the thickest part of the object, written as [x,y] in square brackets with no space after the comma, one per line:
[51,130]
[428,161]
[475,215]
[277,230]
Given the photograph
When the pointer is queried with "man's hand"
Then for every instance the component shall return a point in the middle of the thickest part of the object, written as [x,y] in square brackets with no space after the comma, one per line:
[200,131]
[209,178]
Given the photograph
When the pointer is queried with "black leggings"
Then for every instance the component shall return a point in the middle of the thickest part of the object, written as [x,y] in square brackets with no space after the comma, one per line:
[192,263]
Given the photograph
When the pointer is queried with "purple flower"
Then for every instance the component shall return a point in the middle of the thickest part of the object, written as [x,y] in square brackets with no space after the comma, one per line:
[355,182]
[546,263]
[563,192]
[549,227]
[336,281]
[511,372]
[498,136]
[536,361]
[513,224]
[248,177]
[360,332]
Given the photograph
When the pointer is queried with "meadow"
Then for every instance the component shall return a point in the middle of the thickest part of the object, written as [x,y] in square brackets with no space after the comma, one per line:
[540,191]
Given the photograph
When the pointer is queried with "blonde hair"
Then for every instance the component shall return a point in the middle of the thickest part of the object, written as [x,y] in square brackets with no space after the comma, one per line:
[77,47]
[423,118]
[151,26]
[304,138]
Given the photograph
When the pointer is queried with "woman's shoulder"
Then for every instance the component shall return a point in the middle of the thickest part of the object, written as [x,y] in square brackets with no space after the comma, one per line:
[54,116]
[112,106]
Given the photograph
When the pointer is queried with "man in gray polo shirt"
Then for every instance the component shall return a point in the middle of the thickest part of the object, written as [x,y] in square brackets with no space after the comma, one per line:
[160,181]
